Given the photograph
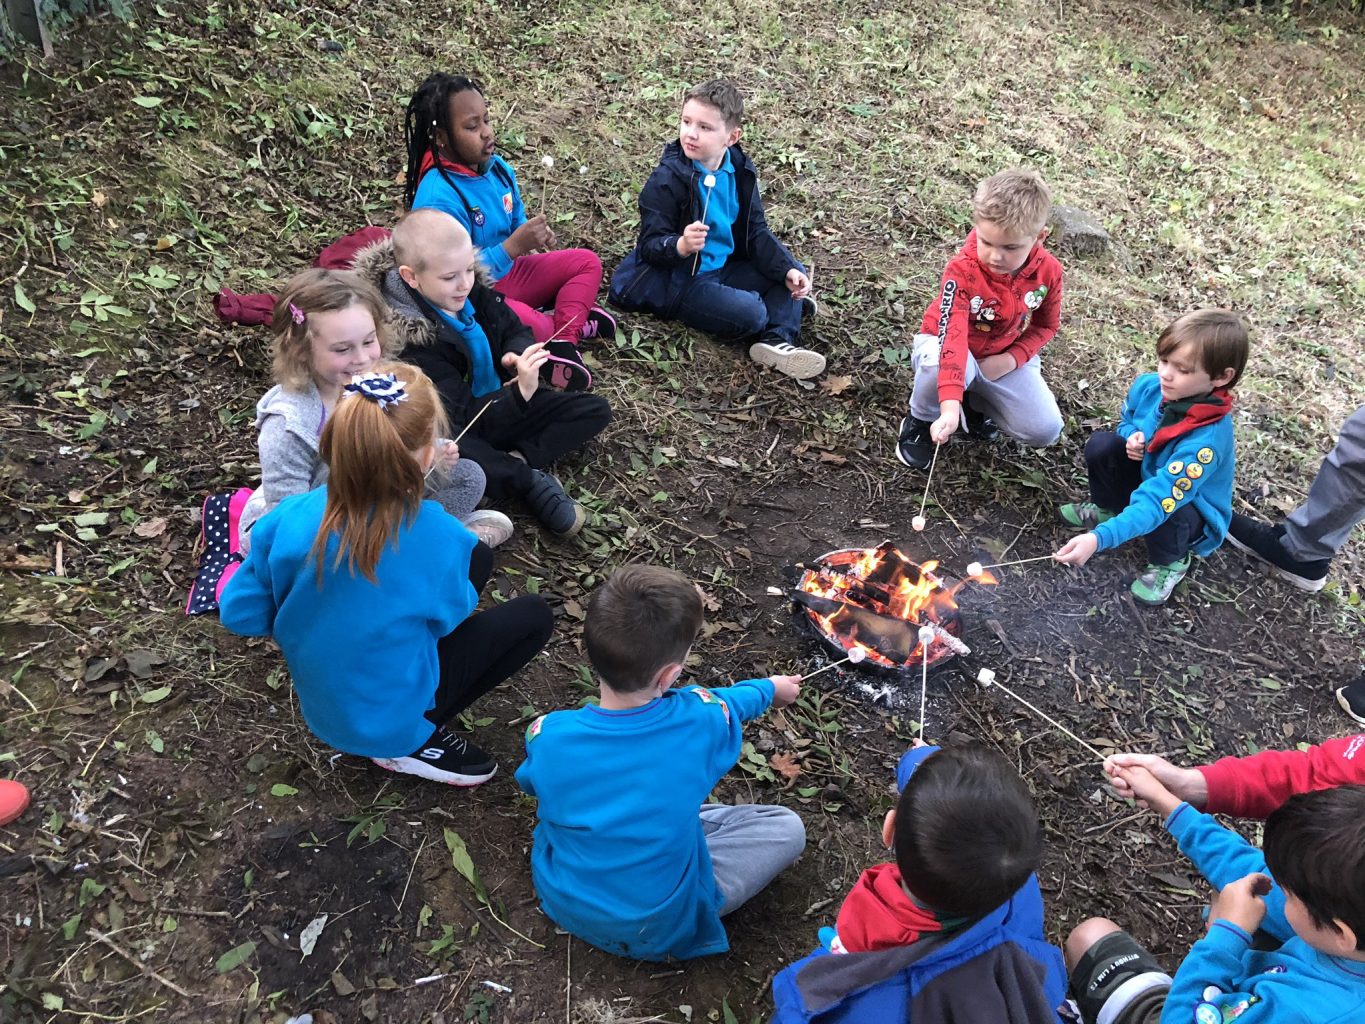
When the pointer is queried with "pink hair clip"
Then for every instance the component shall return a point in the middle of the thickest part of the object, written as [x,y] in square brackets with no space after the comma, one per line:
[298,315]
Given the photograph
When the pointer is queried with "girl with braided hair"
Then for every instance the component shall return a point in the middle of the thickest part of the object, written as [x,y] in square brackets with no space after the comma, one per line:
[453,166]
[370,591]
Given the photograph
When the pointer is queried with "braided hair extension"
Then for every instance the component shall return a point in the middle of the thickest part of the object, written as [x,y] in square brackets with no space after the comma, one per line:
[429,113]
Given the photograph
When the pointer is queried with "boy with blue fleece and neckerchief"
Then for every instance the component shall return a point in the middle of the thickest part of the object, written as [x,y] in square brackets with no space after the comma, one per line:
[952,929]
[621,857]
[705,254]
[1305,889]
[1166,472]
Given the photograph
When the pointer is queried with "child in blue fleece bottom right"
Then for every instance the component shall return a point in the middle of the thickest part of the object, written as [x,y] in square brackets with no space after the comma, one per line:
[952,929]
[1305,889]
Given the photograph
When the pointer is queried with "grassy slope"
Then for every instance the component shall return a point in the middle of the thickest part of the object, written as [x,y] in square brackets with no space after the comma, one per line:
[1221,154]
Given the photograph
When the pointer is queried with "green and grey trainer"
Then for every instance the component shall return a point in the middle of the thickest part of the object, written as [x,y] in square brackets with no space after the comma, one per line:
[1155,583]
[1085,514]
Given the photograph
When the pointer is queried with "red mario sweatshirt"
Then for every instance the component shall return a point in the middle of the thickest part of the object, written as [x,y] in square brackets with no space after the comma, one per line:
[985,313]
[1253,787]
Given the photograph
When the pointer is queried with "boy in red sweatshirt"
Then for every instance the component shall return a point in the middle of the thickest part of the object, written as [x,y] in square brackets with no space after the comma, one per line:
[999,303]
[1250,787]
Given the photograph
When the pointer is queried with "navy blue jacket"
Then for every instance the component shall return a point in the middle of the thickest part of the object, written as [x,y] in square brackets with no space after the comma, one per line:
[652,278]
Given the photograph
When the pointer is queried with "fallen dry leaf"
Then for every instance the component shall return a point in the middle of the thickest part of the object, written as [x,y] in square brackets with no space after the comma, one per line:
[836,385]
[151,527]
[830,458]
[786,765]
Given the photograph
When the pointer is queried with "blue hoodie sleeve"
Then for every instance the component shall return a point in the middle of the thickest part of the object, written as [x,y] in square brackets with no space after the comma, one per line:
[1128,416]
[1215,960]
[910,762]
[496,257]
[748,698]
[1222,856]
[1189,463]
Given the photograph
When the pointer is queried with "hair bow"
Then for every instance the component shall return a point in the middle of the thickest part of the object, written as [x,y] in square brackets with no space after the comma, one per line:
[298,315]
[384,389]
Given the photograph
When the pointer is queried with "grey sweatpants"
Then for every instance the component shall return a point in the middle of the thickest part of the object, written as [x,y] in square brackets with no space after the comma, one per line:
[460,491]
[750,845]
[1020,402]
[1336,499]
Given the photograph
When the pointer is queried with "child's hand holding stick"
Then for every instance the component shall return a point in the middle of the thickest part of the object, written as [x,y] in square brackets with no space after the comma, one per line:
[548,162]
[1147,790]
[527,366]
[710,183]
[1188,784]
[949,419]
[1077,550]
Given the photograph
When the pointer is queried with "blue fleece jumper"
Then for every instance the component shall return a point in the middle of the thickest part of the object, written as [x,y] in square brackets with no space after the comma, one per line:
[488,204]
[619,858]
[1223,978]
[721,211]
[362,655]
[483,375]
[1196,468]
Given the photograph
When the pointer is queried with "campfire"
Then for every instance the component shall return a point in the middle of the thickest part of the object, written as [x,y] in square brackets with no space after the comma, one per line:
[876,600]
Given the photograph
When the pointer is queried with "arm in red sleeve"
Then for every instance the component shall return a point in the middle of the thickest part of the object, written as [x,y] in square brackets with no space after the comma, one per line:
[953,309]
[1042,326]
[1253,787]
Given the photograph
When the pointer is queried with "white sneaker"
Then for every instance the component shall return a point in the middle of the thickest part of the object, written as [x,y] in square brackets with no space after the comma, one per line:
[489,525]
[784,357]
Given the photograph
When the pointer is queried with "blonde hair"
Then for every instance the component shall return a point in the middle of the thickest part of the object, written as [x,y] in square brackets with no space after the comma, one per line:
[422,233]
[1017,200]
[317,291]
[374,485]
[1219,338]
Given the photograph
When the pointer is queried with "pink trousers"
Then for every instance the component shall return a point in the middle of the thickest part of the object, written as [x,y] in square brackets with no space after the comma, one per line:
[565,281]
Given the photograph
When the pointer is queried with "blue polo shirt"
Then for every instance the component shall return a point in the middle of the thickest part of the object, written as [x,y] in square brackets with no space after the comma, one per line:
[721,211]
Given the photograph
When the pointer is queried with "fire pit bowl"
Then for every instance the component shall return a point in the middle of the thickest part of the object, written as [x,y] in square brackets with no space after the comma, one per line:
[877,599]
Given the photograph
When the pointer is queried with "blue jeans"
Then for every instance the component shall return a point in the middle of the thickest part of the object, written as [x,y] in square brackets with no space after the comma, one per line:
[737,301]
[750,845]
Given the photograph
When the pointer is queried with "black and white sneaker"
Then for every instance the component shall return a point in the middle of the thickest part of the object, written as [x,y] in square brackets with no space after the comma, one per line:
[547,501]
[1263,540]
[809,307]
[979,426]
[914,447]
[446,758]
[1351,697]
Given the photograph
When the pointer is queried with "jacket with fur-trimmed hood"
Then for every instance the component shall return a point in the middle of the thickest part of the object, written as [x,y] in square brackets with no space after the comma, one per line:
[423,338]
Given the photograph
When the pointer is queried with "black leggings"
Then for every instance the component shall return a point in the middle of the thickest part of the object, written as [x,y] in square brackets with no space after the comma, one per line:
[489,646]
[1113,479]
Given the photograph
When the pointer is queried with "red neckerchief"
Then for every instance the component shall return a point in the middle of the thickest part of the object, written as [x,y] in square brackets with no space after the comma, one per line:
[1180,417]
[450,165]
[878,914]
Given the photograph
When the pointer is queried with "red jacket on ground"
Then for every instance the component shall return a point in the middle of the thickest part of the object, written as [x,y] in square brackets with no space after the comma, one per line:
[985,313]
[1253,787]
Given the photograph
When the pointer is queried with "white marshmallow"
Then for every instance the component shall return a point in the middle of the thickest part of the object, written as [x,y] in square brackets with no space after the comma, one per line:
[547,162]
[974,569]
[856,655]
[709,181]
[917,524]
[926,636]
[986,676]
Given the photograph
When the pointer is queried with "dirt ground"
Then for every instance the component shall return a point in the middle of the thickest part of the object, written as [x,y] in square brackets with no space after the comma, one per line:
[186,828]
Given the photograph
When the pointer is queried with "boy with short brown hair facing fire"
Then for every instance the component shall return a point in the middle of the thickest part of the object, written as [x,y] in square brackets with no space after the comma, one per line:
[1165,473]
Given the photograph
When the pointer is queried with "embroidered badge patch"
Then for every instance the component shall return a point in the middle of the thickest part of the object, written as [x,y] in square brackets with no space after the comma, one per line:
[1205,455]
[1168,505]
[1177,493]
[1183,483]
[1175,467]
[1194,471]
[477,217]
[707,697]
[533,730]
[507,202]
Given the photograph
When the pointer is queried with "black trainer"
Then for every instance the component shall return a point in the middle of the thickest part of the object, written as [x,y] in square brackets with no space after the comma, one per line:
[547,501]
[446,758]
[980,427]
[564,369]
[1263,540]
[915,447]
[1351,697]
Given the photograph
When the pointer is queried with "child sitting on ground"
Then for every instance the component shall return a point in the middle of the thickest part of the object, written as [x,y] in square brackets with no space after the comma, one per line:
[1314,850]
[953,928]
[461,333]
[705,254]
[1166,473]
[999,302]
[328,327]
[621,858]
[452,167]
[369,591]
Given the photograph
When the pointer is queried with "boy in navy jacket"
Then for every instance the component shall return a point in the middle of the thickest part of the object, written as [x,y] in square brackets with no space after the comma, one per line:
[953,928]
[1312,901]
[705,254]
[1166,473]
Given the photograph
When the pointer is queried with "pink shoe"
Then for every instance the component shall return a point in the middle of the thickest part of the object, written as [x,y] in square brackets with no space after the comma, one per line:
[14,800]
[564,368]
[599,326]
